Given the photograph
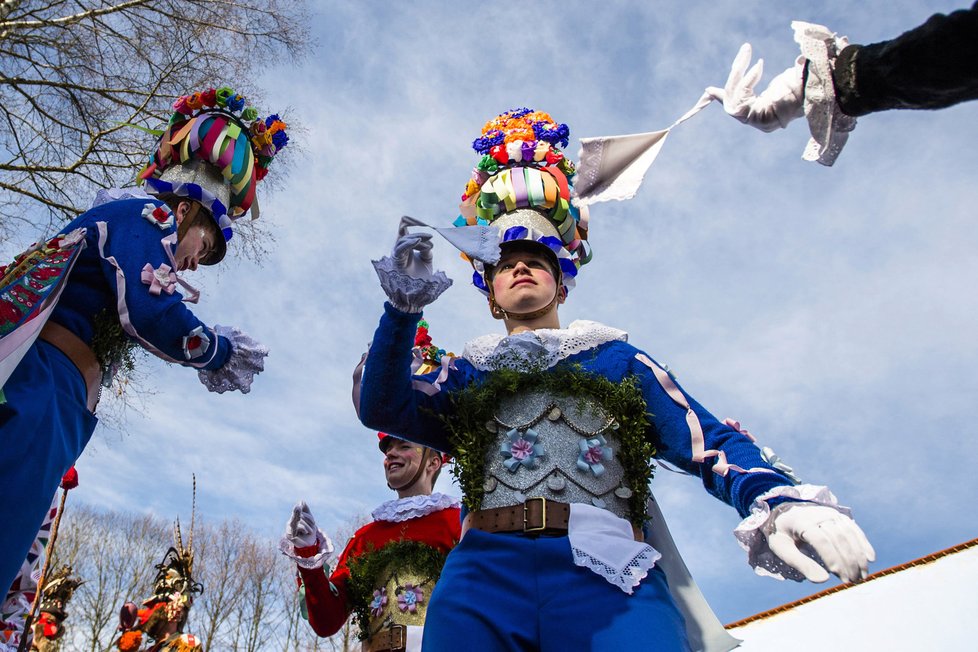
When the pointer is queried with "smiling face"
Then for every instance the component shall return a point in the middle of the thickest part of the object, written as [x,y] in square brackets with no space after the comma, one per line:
[401,462]
[523,280]
[403,467]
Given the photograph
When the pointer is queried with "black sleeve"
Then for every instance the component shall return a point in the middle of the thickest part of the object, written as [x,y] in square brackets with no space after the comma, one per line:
[932,66]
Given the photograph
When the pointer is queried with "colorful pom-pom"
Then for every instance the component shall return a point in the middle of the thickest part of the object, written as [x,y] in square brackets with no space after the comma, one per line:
[235,103]
[223,94]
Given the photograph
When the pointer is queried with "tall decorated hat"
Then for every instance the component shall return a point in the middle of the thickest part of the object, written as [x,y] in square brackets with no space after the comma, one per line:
[215,150]
[523,186]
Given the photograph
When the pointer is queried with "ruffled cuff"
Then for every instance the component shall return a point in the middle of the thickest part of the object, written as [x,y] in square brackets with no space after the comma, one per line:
[323,549]
[407,293]
[751,533]
[829,126]
[247,359]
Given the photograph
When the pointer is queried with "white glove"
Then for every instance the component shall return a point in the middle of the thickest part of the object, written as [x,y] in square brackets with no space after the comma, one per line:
[782,102]
[412,251]
[407,276]
[831,535]
[301,530]
[246,360]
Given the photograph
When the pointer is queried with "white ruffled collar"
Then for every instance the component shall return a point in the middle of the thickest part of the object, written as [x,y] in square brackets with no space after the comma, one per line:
[541,348]
[404,509]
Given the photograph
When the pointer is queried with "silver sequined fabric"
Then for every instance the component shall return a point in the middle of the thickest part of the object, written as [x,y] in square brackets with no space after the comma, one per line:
[560,424]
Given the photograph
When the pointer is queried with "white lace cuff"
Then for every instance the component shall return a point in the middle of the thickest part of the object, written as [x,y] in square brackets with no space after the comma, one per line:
[829,126]
[404,509]
[605,544]
[752,536]
[247,359]
[318,560]
[407,293]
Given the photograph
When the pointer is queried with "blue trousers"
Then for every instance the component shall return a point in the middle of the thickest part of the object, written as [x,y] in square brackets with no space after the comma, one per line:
[44,426]
[510,592]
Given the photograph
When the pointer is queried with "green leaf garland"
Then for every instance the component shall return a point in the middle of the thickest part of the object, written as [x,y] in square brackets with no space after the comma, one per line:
[366,573]
[475,406]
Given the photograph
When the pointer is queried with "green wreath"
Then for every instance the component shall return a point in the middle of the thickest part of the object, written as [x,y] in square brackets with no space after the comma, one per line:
[475,405]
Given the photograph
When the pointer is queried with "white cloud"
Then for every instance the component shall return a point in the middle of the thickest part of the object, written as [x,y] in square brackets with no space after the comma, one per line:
[831,310]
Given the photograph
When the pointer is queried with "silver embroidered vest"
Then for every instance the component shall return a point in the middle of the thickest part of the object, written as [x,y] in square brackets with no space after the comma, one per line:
[556,446]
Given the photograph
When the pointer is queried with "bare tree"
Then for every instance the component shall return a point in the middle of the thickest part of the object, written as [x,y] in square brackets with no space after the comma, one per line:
[249,600]
[75,75]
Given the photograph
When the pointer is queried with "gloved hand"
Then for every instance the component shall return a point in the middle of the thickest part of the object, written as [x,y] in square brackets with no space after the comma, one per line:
[407,275]
[301,530]
[246,360]
[833,536]
[412,251]
[779,104]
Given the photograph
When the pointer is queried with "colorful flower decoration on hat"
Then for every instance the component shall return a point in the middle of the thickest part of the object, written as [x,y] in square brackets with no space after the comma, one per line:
[522,167]
[217,127]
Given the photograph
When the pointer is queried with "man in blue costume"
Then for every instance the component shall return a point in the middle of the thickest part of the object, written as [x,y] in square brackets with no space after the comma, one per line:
[117,270]
[554,431]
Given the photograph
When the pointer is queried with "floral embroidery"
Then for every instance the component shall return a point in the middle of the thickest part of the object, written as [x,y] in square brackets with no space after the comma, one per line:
[379,602]
[161,279]
[521,449]
[594,451]
[409,598]
[195,343]
[158,215]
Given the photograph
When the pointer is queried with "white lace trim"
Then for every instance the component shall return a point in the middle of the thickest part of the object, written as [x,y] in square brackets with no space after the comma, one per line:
[247,359]
[605,544]
[626,578]
[318,560]
[829,126]
[539,349]
[407,293]
[751,536]
[105,195]
[404,509]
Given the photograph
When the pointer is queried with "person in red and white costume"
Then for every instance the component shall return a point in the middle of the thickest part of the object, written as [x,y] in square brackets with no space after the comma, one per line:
[398,555]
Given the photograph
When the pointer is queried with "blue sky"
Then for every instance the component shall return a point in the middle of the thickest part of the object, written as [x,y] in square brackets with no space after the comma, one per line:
[830,310]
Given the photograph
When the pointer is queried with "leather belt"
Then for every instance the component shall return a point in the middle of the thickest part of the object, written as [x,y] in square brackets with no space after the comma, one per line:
[535,516]
[391,639]
[81,356]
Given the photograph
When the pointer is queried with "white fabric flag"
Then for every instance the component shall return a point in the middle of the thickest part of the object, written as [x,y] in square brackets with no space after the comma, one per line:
[613,167]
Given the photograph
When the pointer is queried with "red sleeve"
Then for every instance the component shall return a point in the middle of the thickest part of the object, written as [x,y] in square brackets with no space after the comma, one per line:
[328,610]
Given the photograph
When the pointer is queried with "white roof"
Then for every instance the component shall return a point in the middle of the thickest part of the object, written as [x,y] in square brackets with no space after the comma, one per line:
[925,604]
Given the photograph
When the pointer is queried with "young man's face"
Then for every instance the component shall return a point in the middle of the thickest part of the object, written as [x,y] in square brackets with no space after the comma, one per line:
[523,281]
[197,242]
[401,462]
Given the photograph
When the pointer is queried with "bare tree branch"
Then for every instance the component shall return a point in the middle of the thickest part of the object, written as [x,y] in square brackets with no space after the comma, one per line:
[74,73]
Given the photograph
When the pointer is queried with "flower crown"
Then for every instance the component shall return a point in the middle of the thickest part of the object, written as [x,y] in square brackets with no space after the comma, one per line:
[522,167]
[520,136]
[267,135]
[217,127]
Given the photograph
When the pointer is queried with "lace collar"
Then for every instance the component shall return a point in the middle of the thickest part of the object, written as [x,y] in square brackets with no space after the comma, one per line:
[541,348]
[403,509]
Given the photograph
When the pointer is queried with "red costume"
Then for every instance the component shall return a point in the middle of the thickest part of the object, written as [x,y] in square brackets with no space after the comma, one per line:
[328,601]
